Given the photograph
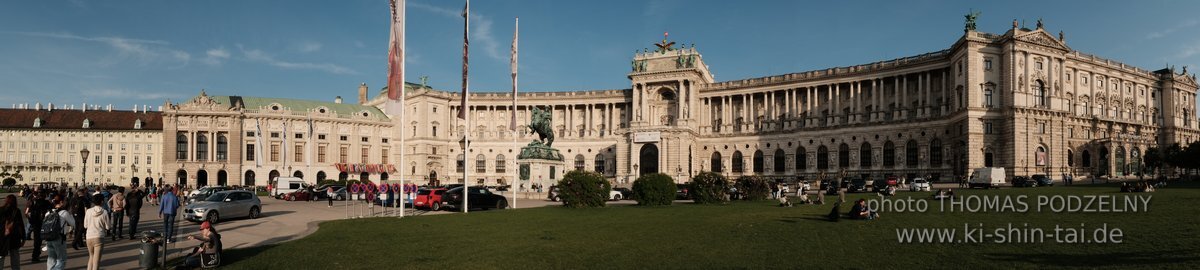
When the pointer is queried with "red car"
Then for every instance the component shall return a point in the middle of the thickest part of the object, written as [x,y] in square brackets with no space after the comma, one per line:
[299,195]
[892,181]
[429,199]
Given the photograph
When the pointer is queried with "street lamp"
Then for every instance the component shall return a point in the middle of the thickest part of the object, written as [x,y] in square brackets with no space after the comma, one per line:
[84,154]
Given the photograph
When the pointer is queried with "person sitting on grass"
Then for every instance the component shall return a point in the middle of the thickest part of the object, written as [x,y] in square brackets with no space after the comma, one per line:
[783,201]
[836,212]
[859,210]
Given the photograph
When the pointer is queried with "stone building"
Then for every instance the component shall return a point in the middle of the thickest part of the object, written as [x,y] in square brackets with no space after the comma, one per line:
[1022,100]
[45,144]
[239,140]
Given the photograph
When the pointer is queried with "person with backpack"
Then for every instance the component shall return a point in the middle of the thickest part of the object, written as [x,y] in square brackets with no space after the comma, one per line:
[35,211]
[54,228]
[14,233]
[133,205]
[97,223]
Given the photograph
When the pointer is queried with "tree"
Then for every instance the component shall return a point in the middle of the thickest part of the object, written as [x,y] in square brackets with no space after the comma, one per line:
[1171,156]
[654,189]
[709,187]
[582,189]
[9,182]
[1153,160]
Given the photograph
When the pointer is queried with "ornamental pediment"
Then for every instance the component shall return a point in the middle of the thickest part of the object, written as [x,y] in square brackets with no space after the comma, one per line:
[1042,38]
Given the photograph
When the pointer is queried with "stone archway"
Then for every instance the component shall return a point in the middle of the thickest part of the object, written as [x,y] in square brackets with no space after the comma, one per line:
[648,160]
[222,178]
[181,177]
[248,180]
[201,178]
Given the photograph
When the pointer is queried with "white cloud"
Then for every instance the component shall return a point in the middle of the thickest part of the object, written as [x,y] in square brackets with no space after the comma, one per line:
[215,56]
[308,46]
[1168,31]
[262,57]
[481,29]
[1189,51]
[142,50]
[125,94]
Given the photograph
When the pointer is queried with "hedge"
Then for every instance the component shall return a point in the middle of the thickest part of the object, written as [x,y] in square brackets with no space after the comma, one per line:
[582,189]
[709,187]
[754,188]
[654,189]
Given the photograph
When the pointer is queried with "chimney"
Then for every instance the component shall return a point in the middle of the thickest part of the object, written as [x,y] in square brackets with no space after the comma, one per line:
[108,108]
[160,108]
[144,108]
[362,93]
[49,107]
[338,100]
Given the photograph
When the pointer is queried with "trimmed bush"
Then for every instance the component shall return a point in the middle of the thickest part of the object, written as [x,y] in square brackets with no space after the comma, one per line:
[654,189]
[581,189]
[8,182]
[709,187]
[754,188]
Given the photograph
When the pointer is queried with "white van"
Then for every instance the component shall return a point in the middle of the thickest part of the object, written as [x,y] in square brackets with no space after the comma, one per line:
[285,185]
[991,177]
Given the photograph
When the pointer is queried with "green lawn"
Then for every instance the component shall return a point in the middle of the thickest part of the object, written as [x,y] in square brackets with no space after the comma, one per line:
[738,235]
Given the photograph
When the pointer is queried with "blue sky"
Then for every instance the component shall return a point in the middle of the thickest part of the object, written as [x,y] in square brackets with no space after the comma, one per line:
[144,52]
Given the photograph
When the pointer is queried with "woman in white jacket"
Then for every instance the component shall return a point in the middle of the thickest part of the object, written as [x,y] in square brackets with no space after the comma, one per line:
[96,221]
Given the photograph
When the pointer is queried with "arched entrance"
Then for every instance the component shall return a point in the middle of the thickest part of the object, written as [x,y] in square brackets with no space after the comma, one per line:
[134,181]
[383,176]
[648,160]
[181,177]
[343,176]
[222,178]
[1103,161]
[201,178]
[364,177]
[433,178]
[320,176]
[1121,166]
[272,177]
[298,174]
[248,180]
[149,181]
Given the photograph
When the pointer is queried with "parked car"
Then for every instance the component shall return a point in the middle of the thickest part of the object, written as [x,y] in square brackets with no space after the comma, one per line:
[804,184]
[1043,180]
[429,199]
[299,195]
[477,198]
[830,187]
[322,193]
[552,194]
[991,177]
[223,205]
[919,184]
[1021,181]
[285,185]
[626,193]
[204,192]
[880,185]
[681,192]
[893,180]
[857,185]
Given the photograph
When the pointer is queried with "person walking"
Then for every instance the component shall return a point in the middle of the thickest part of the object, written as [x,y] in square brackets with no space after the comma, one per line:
[79,204]
[117,203]
[133,209]
[35,211]
[330,194]
[56,241]
[97,223]
[166,211]
[14,233]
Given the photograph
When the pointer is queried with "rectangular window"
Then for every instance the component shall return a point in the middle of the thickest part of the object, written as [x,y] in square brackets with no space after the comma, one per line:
[274,152]
[122,160]
[97,159]
[385,140]
[320,136]
[320,154]
[299,153]
[343,153]
[434,149]
[299,135]
[364,139]
[274,134]
[1038,65]
[987,128]
[1042,128]
[109,160]
[383,156]
[501,165]
[149,160]
[435,131]
[343,138]
[249,152]
[365,155]
[249,133]
[987,64]
[122,147]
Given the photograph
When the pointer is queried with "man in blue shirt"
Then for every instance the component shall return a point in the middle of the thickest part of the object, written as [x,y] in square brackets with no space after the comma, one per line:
[166,211]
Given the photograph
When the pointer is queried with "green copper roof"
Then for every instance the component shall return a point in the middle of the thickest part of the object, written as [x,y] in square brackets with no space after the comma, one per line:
[407,87]
[301,106]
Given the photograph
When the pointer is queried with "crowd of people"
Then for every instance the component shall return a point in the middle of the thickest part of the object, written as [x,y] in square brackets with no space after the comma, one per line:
[83,215]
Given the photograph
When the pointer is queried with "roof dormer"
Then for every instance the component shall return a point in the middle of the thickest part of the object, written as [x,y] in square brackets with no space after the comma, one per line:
[37,123]
[87,123]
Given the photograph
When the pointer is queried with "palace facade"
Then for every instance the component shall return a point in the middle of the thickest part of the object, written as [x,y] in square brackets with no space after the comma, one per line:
[1022,100]
[47,144]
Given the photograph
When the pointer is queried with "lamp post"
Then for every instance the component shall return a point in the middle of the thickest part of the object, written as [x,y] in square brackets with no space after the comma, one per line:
[84,154]
[132,172]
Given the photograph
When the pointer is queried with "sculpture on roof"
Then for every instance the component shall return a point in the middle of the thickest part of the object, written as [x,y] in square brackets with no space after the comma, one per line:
[1039,23]
[664,46]
[971,17]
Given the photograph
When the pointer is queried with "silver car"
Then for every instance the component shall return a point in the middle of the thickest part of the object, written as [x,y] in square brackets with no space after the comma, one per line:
[224,204]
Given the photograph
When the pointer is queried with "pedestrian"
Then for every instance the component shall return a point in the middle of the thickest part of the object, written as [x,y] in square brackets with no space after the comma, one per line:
[97,223]
[117,203]
[133,209]
[841,195]
[56,238]
[79,204]
[166,211]
[14,233]
[330,194]
[35,211]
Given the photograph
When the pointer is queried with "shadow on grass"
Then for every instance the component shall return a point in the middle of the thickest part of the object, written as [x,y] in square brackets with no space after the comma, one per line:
[813,217]
[1140,259]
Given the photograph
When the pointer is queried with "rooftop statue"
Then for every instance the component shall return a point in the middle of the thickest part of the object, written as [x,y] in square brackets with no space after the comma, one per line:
[971,16]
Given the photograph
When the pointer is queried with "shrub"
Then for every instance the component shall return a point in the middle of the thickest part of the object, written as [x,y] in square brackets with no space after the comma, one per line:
[581,189]
[8,182]
[709,187]
[654,189]
[753,188]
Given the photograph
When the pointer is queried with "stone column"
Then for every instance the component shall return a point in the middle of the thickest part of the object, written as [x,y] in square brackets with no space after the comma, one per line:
[896,96]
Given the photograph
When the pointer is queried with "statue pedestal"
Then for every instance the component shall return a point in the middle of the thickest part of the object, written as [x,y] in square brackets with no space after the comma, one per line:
[540,164]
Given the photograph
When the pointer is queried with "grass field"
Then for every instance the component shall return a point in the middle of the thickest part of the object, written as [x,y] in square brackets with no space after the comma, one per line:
[738,235]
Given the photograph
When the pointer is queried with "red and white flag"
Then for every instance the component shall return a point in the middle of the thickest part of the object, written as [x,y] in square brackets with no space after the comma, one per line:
[464,110]
[516,27]
[395,82]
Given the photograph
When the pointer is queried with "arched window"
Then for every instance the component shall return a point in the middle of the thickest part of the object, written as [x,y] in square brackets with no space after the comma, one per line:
[1070,158]
[1040,156]
[1135,161]
[715,163]
[1086,159]
[480,164]
[201,147]
[579,162]
[889,154]
[780,161]
[935,153]
[758,162]
[801,159]
[600,164]
[822,158]
[864,155]
[910,154]
[181,147]
[501,164]
[460,164]
[222,147]
[843,156]
[738,162]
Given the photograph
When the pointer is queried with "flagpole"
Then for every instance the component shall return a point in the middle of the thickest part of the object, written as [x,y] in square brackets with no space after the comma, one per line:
[513,125]
[466,109]
[403,104]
